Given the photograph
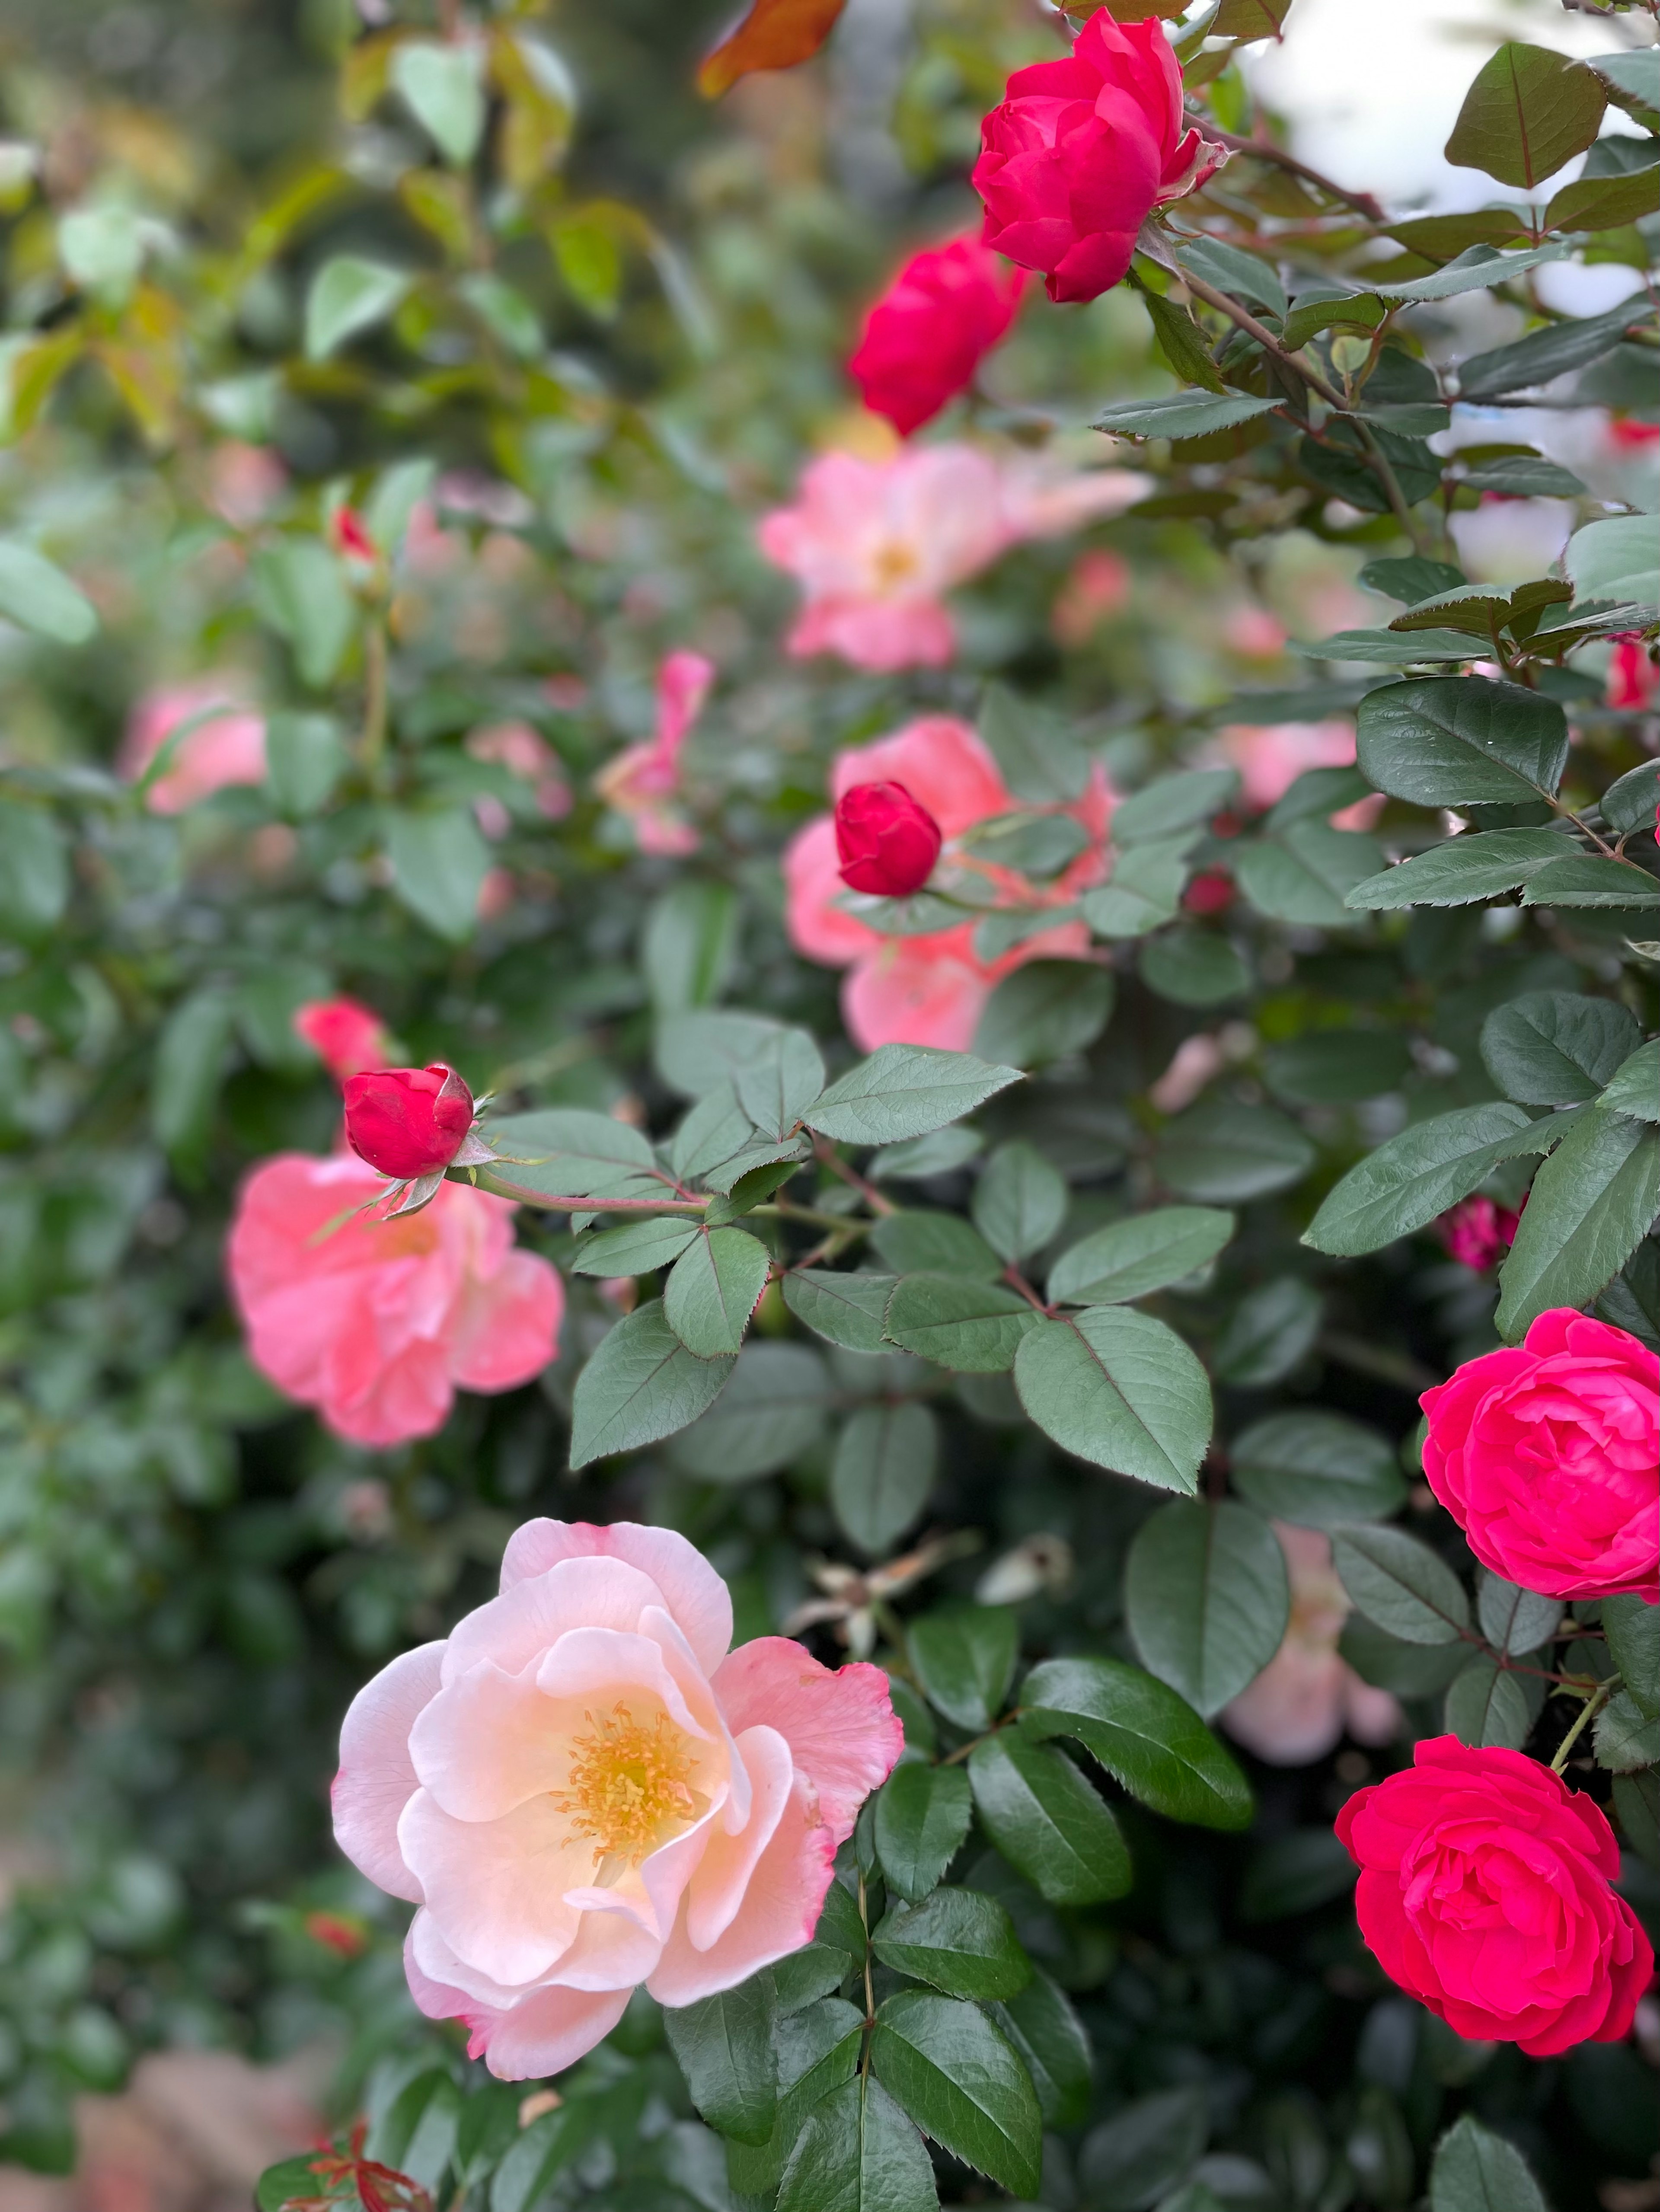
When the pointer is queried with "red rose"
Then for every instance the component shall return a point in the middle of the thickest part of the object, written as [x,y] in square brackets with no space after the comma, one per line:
[347,1036]
[1081,151]
[931,329]
[885,841]
[1477,1230]
[1485,1893]
[1548,1456]
[408,1121]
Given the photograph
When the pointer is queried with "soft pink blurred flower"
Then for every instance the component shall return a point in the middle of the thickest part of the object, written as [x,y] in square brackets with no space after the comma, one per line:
[929,990]
[1307,1695]
[524,753]
[643,782]
[1254,634]
[583,1789]
[1634,679]
[1195,1061]
[245,482]
[376,1323]
[1270,757]
[876,544]
[227,746]
[1098,586]
[349,1037]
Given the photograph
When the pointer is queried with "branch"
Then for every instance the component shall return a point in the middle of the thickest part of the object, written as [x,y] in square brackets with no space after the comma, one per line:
[1363,203]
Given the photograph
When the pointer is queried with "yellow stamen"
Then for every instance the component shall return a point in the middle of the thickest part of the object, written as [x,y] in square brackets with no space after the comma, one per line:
[628,1787]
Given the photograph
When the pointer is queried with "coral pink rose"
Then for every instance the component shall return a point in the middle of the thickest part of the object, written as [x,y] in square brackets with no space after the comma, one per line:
[227,745]
[376,1323]
[1307,1697]
[643,782]
[583,1789]
[929,990]
[931,329]
[1548,1456]
[1484,1893]
[1078,153]
[349,1037]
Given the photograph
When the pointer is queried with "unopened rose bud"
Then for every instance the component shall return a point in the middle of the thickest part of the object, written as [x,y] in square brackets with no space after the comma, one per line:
[351,535]
[1210,891]
[342,1932]
[885,842]
[408,1121]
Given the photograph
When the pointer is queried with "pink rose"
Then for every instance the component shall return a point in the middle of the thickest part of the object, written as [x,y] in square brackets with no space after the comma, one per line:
[931,329]
[1634,679]
[349,1037]
[1307,1697]
[227,745]
[929,990]
[1485,1893]
[643,781]
[1080,152]
[1548,1456]
[1270,757]
[583,1789]
[376,1323]
[1477,1230]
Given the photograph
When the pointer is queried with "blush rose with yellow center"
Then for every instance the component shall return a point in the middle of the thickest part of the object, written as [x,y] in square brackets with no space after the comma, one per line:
[584,1789]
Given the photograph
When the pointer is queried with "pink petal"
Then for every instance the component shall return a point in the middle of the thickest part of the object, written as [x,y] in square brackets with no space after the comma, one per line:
[507,1327]
[487,1742]
[840,1727]
[941,762]
[586,1663]
[906,996]
[496,1889]
[546,2032]
[718,1887]
[812,883]
[778,1915]
[682,684]
[529,1619]
[696,1595]
[377,1776]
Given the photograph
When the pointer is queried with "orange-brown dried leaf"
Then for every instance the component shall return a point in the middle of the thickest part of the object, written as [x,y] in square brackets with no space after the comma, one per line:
[776,34]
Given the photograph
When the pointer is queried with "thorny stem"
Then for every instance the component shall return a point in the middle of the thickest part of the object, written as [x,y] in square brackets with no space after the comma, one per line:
[1261,150]
[1593,1705]
[963,1751]
[827,1156]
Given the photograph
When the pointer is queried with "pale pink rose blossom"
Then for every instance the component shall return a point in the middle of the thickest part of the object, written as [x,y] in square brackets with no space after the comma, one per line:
[1270,757]
[583,1789]
[245,482]
[876,544]
[227,746]
[643,782]
[524,752]
[929,990]
[1308,1696]
[377,1323]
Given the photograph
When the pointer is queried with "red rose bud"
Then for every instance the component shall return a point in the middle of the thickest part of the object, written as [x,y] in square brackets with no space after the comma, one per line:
[351,535]
[408,1121]
[885,842]
[1210,892]
[931,329]
[343,1934]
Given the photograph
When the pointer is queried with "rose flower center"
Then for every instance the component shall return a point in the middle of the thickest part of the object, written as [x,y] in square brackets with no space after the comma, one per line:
[628,1787]
[895,562]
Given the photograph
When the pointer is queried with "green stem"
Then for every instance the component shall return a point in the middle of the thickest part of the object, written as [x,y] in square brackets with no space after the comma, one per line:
[1594,1705]
[374,699]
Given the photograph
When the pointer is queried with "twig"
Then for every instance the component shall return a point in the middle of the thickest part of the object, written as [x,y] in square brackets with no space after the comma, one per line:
[1594,1705]
[827,1156]
[1362,202]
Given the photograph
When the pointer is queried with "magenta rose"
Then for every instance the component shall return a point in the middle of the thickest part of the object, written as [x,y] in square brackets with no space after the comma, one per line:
[1548,1456]
[928,334]
[1485,1892]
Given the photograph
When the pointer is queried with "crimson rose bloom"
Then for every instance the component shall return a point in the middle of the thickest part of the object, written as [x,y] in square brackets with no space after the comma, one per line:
[1485,1893]
[1548,1456]
[932,328]
[885,841]
[1081,151]
[408,1121]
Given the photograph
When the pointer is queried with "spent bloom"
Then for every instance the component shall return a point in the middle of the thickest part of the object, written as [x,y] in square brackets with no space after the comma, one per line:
[1308,1697]
[1078,153]
[223,742]
[408,1121]
[349,1037]
[643,782]
[885,843]
[583,1789]
[930,331]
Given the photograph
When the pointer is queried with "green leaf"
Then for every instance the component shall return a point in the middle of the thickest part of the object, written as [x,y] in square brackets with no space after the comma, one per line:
[439,864]
[883,1472]
[1269,1332]
[1413,1176]
[857,2153]
[905,1091]
[1130,2160]
[723,2046]
[34,872]
[964,1659]
[1146,891]
[959,2079]
[1486,1708]
[38,596]
[699,1050]
[1042,2025]
[1193,968]
[1615,559]
[818,2050]
[1143,1252]
[300,590]
[1627,1738]
[641,1384]
[1528,111]
[973,1328]
[1514,1621]
[772,1411]
[1606,203]
[443,86]
[1121,1390]
[542,2150]
[1304,875]
[1411,578]
[1336,1067]
[1475,2171]
[191,1057]
[1461,740]
[290,2178]
[1545,354]
[1047,1821]
[776,1086]
[920,1158]
[922,1816]
[349,294]
[923,1241]
[1556,1047]
[1041,760]
[1020,1201]
[1400,1584]
[1411,1670]
[1637,1806]
[1149,1738]
[688,944]
[1633,79]
[1591,1204]
[1319,1470]
[1245,276]
[713,1289]
[1586,879]
[1391,649]
[305,760]
[1045,1011]
[1207,1598]
[1632,800]
[1181,342]
[638,1247]
[1226,1153]
[845,1309]
[1297,1871]
[566,1151]
[958,1942]
[1180,414]
[1173,803]
[1461,871]
[1632,1628]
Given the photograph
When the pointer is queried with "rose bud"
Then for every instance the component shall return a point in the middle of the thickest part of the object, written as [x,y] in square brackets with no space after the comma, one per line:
[408,1121]
[885,841]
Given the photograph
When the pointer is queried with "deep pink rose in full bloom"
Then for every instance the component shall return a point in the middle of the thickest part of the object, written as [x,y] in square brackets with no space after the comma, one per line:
[875,545]
[929,990]
[1485,1892]
[349,1037]
[377,1323]
[1548,1456]
[226,746]
[932,328]
[1078,153]
[1633,679]
[408,1121]
[1308,1696]
[886,844]
[583,1789]
[1477,1230]
[643,782]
